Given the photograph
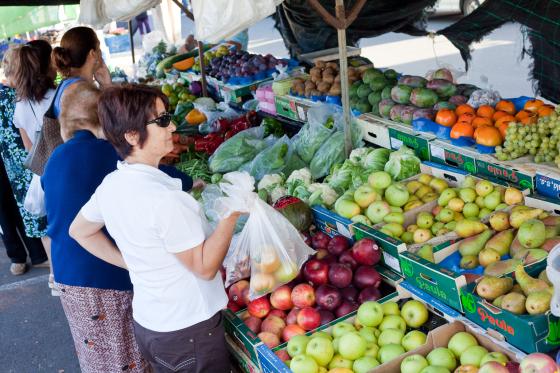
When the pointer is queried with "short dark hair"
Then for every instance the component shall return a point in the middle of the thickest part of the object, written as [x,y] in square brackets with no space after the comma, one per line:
[127,108]
[31,71]
[74,48]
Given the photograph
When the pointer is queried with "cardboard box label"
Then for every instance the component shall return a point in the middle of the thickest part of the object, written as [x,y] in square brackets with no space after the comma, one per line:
[285,107]
[459,160]
[331,223]
[523,180]
[548,185]
[419,144]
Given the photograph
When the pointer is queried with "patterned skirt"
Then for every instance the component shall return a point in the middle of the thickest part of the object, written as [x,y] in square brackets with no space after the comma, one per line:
[102,328]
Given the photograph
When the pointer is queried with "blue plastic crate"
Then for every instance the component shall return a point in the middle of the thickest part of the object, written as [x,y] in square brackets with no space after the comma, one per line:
[118,43]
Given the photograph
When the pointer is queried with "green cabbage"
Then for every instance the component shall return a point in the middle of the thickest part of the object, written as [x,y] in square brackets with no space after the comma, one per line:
[403,164]
[376,159]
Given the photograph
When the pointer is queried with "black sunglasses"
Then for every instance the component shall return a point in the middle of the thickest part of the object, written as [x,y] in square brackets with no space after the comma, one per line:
[162,121]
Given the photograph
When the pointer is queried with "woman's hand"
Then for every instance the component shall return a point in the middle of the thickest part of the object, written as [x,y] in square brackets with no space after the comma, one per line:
[102,75]
[198,184]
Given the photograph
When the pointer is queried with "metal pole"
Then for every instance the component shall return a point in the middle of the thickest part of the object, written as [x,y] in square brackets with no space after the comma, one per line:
[340,14]
[131,40]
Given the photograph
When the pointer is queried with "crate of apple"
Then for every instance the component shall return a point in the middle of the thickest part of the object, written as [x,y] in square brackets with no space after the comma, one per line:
[379,333]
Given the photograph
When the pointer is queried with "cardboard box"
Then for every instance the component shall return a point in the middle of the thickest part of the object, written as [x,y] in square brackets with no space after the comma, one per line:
[547,183]
[443,152]
[488,166]
[375,131]
[244,362]
[400,135]
[331,223]
[293,108]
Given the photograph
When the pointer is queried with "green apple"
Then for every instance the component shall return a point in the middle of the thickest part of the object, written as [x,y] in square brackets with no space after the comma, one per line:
[435,369]
[369,314]
[342,328]
[396,195]
[473,355]
[396,209]
[445,215]
[346,207]
[335,342]
[372,350]
[390,352]
[413,339]
[390,308]
[304,364]
[352,346]
[369,334]
[421,235]
[484,188]
[413,364]
[321,350]
[439,185]
[442,356]
[297,345]
[446,196]
[494,356]
[470,210]
[414,313]
[340,362]
[361,219]
[467,194]
[460,342]
[390,336]
[377,211]
[365,195]
[380,180]
[394,217]
[424,220]
[364,364]
[395,229]
[321,334]
[484,212]
[393,322]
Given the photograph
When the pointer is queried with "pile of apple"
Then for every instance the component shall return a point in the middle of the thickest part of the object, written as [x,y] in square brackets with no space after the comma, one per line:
[382,200]
[462,355]
[378,335]
[468,204]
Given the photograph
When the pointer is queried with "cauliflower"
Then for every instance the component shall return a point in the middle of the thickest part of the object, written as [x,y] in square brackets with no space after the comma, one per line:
[269,182]
[297,179]
[357,156]
[277,192]
[322,194]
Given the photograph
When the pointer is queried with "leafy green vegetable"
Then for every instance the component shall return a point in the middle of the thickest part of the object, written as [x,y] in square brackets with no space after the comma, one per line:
[271,160]
[330,153]
[238,150]
[376,159]
[309,139]
[403,164]
[272,127]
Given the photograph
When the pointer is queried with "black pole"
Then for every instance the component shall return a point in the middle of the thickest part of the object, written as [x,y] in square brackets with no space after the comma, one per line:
[131,40]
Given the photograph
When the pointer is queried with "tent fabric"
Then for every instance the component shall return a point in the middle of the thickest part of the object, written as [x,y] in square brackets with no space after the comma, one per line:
[21,19]
[36,2]
[304,31]
[542,19]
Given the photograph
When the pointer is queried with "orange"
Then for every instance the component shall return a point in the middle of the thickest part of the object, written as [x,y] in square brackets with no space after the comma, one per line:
[462,129]
[545,110]
[480,121]
[488,136]
[505,119]
[533,105]
[531,119]
[485,111]
[446,117]
[506,106]
[464,108]
[466,117]
[502,127]
[498,114]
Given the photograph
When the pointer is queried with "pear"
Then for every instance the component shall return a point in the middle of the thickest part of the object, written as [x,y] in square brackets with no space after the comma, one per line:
[413,186]
[484,212]
[425,178]
[550,231]
[446,196]
[543,276]
[502,267]
[515,247]
[473,245]
[469,182]
[501,242]
[492,200]
[550,243]
[517,289]
[530,256]
[479,201]
[437,226]
[466,228]
[498,301]
[513,196]
[484,188]
[531,233]
[514,303]
[469,262]
[426,252]
[487,257]
[518,216]
[520,208]
[538,302]
[529,284]
[491,288]
[499,221]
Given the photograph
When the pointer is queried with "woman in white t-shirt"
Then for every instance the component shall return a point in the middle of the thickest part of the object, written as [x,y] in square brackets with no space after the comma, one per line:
[162,238]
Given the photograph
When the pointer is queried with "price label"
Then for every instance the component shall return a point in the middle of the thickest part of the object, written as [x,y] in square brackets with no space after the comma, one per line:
[392,262]
[396,143]
[343,230]
[301,114]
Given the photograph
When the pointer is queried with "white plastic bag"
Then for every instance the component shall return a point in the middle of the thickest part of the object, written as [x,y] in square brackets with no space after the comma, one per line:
[269,247]
[218,20]
[34,201]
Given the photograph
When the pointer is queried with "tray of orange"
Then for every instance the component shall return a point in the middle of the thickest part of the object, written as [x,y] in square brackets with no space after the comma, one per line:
[484,127]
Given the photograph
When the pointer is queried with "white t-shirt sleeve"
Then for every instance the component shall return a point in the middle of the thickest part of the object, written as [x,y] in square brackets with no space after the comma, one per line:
[178,224]
[92,211]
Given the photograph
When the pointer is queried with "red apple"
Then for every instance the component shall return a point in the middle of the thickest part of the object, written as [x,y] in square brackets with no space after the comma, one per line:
[232,306]
[338,244]
[245,296]
[538,362]
[292,316]
[316,272]
[259,307]
[274,325]
[347,258]
[345,308]
[326,316]
[278,313]
[320,241]
[223,273]
[269,339]
[281,298]
[366,276]
[493,367]
[328,297]
[290,331]
[253,323]
[349,293]
[303,295]
[340,275]
[329,259]
[235,292]
[321,253]
[309,318]
[366,251]
[512,367]
[370,293]
[283,355]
